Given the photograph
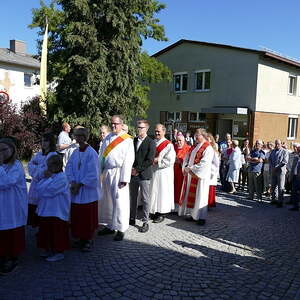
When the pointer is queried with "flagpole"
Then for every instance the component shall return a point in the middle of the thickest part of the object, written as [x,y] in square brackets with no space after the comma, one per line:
[43,71]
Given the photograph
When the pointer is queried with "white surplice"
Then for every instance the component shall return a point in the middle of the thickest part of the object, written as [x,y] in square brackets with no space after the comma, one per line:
[114,205]
[203,171]
[162,182]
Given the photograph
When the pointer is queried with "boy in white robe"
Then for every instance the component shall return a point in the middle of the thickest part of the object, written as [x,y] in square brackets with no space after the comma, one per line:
[162,182]
[82,171]
[13,206]
[116,159]
[54,211]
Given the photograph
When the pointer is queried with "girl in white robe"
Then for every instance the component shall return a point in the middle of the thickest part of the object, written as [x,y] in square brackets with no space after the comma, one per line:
[54,211]
[37,168]
[13,206]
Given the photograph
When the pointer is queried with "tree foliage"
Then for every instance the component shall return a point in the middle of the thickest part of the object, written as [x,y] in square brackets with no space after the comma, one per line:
[95,57]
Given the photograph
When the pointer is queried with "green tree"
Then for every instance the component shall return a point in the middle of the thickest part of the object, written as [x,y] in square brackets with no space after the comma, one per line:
[95,57]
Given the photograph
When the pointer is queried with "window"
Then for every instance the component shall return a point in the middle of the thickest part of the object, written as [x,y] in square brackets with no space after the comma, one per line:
[292,84]
[202,80]
[292,127]
[174,116]
[180,82]
[196,116]
[27,80]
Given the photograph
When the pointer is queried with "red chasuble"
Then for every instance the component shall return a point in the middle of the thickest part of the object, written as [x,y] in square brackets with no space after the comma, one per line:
[194,180]
[178,175]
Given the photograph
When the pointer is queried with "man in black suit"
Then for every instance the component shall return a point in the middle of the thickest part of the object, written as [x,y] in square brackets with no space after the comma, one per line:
[141,173]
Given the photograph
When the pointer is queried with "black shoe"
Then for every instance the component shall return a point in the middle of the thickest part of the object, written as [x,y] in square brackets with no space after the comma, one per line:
[279,205]
[132,222]
[144,228]
[294,209]
[105,231]
[119,236]
[86,247]
[9,266]
[250,198]
[273,202]
[152,216]
[189,219]
[201,222]
[159,219]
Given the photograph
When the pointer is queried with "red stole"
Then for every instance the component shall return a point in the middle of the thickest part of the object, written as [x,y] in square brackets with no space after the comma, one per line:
[161,147]
[178,174]
[194,180]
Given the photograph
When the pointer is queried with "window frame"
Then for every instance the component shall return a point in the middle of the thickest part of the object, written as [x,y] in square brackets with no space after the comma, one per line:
[198,120]
[181,82]
[294,93]
[203,71]
[290,135]
[31,80]
[174,119]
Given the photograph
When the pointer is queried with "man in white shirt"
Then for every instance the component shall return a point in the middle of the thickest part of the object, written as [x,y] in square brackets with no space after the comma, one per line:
[64,140]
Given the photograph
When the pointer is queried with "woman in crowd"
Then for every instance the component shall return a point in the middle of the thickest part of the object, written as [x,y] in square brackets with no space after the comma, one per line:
[13,206]
[37,168]
[214,172]
[234,163]
[243,176]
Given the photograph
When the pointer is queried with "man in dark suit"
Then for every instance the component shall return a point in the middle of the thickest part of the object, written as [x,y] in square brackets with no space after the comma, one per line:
[278,160]
[141,173]
[295,175]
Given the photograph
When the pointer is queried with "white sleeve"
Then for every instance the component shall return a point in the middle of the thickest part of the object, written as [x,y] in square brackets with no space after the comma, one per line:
[125,175]
[203,169]
[168,158]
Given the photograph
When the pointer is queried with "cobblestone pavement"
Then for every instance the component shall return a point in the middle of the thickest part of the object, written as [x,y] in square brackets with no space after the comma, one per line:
[247,250]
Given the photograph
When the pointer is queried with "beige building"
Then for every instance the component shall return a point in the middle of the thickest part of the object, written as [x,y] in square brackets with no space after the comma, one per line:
[245,92]
[18,72]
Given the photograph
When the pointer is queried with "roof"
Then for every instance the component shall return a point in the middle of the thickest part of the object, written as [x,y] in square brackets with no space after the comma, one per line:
[260,52]
[10,57]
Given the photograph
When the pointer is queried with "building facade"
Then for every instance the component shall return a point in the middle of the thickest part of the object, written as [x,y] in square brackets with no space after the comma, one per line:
[248,93]
[18,72]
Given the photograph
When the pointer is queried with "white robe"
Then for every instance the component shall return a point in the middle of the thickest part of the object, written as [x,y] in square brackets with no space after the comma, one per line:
[13,196]
[87,174]
[215,167]
[203,171]
[55,198]
[115,204]
[162,182]
[36,168]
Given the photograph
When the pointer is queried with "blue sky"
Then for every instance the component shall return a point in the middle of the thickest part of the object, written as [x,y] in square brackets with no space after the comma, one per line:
[274,24]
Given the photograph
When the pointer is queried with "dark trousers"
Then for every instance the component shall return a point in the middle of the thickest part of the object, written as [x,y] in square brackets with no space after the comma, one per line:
[295,191]
[144,185]
[255,184]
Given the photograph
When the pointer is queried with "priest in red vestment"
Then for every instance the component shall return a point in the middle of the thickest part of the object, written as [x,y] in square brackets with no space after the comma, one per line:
[181,149]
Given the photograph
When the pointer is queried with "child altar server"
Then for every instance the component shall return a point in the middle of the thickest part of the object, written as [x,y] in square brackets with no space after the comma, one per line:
[82,171]
[53,210]
[37,169]
[13,206]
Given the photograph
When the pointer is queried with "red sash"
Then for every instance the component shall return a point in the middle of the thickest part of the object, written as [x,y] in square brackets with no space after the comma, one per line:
[161,147]
[194,180]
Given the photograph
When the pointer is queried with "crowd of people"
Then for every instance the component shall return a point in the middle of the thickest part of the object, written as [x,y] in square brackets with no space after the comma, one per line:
[75,188]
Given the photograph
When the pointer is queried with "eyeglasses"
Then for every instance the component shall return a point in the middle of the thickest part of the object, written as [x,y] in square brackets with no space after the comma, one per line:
[139,127]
